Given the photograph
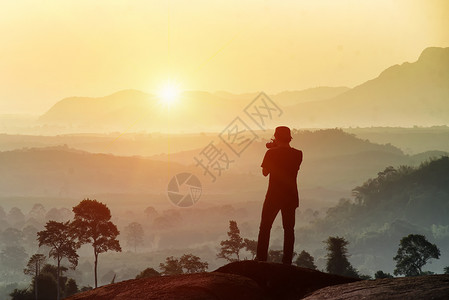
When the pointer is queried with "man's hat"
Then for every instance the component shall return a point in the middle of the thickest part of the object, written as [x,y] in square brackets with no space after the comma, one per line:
[283,133]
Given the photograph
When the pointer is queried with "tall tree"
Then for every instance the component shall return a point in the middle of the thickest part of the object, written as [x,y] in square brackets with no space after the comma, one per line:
[92,220]
[413,253]
[61,239]
[337,257]
[233,245]
[134,235]
[33,268]
[305,260]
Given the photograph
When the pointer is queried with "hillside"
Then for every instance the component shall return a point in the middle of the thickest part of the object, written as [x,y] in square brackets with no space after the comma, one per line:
[398,202]
[61,171]
[403,95]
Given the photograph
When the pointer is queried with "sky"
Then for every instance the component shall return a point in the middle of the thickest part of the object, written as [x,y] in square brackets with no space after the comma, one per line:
[50,50]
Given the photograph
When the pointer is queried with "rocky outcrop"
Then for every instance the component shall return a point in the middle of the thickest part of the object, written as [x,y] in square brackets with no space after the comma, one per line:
[434,287]
[245,280]
[250,280]
[280,281]
[217,286]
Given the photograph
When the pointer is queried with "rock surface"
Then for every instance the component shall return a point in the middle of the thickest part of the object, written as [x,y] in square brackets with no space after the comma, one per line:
[280,281]
[434,287]
[250,280]
[193,286]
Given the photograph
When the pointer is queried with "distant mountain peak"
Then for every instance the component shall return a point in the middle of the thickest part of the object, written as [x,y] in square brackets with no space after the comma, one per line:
[434,54]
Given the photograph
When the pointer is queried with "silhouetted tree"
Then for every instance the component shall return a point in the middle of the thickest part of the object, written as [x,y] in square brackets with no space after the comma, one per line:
[251,246]
[337,257]
[60,237]
[171,266]
[48,286]
[52,270]
[188,263]
[413,253]
[92,220]
[33,268]
[275,256]
[148,272]
[21,294]
[71,288]
[233,245]
[305,260]
[446,270]
[380,274]
[193,264]
[134,234]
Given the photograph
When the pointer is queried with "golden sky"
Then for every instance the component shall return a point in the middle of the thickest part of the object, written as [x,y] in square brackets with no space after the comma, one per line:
[54,49]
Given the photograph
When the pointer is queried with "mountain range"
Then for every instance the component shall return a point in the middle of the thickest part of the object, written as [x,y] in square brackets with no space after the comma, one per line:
[403,95]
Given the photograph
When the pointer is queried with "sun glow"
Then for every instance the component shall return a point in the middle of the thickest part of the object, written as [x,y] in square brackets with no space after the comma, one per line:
[169,94]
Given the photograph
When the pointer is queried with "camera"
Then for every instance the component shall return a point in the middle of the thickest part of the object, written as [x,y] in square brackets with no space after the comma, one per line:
[271,144]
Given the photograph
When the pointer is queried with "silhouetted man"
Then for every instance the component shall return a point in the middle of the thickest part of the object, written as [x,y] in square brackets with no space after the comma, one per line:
[282,163]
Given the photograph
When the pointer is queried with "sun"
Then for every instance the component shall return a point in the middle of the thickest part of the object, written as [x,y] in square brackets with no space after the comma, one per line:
[169,94]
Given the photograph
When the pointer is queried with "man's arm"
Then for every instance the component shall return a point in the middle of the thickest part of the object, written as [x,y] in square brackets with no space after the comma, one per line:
[265,164]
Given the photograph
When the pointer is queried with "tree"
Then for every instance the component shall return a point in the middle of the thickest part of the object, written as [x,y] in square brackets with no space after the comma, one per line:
[134,234]
[193,264]
[21,294]
[305,260]
[413,253]
[446,270]
[337,257]
[380,274]
[48,286]
[188,263]
[171,266]
[150,212]
[60,238]
[12,237]
[15,216]
[13,256]
[71,288]
[92,220]
[29,236]
[33,268]
[233,245]
[148,272]
[275,256]
[251,246]
[37,212]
